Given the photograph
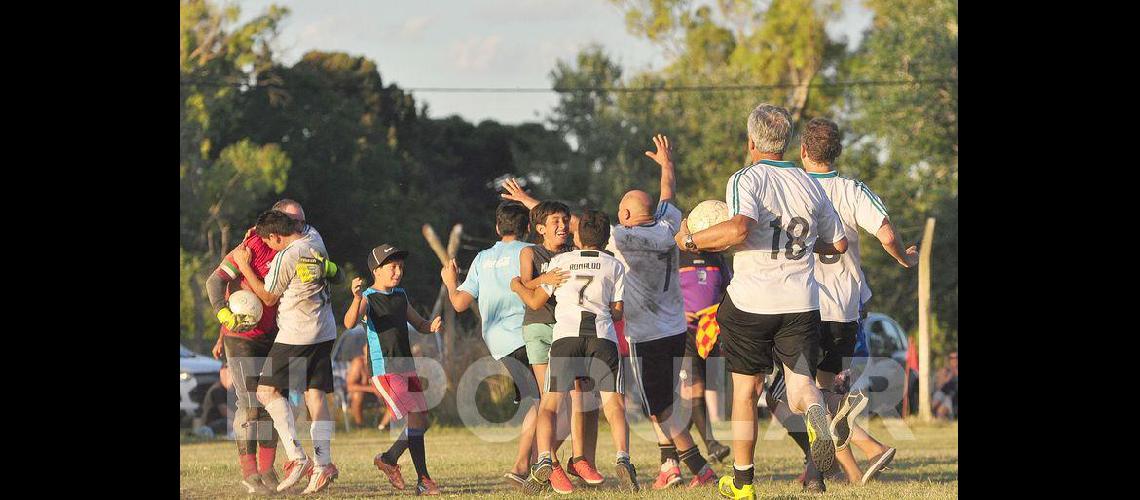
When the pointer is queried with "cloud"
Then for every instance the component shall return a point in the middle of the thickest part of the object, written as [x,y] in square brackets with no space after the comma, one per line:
[475,53]
[414,26]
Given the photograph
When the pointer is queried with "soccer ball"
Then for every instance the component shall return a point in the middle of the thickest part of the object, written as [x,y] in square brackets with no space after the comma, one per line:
[245,302]
[706,214]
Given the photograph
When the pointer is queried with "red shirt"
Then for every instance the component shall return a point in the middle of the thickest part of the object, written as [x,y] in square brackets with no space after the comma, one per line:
[260,257]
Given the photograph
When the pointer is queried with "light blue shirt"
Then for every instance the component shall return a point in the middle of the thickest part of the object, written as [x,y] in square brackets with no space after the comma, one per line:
[489,281]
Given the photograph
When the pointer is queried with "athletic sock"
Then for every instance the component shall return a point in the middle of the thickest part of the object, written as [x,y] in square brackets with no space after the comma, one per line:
[322,432]
[693,459]
[392,456]
[668,451]
[248,462]
[282,414]
[623,455]
[742,475]
[265,458]
[416,446]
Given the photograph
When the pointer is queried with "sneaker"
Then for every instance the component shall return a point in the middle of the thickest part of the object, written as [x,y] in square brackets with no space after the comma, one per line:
[295,470]
[819,437]
[269,479]
[392,471]
[670,476]
[627,476]
[516,481]
[559,481]
[425,486]
[321,478]
[729,490]
[718,452]
[582,469]
[253,485]
[878,464]
[813,481]
[707,476]
[851,406]
[539,476]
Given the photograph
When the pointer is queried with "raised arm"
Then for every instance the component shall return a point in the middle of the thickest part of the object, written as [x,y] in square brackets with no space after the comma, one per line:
[459,300]
[664,157]
[358,306]
[516,193]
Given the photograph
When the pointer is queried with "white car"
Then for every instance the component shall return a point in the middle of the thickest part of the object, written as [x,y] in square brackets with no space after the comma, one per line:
[196,373]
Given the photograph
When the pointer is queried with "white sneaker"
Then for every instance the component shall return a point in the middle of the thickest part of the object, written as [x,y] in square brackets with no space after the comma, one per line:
[294,471]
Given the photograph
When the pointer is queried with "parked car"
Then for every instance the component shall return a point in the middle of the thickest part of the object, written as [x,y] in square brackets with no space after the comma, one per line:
[888,344]
[196,373]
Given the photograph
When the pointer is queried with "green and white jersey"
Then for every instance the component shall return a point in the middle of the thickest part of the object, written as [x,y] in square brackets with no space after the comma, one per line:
[583,309]
[841,280]
[774,267]
[304,314]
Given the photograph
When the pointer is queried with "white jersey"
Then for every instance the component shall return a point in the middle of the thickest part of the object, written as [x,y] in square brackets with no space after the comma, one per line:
[654,307]
[842,283]
[773,268]
[583,309]
[304,314]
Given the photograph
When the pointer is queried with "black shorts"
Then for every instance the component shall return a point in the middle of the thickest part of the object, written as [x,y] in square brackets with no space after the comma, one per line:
[245,357]
[518,365]
[695,368]
[592,358]
[836,342]
[309,367]
[750,341]
[659,362]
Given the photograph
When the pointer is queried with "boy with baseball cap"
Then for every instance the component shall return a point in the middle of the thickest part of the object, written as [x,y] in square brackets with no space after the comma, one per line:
[387,312]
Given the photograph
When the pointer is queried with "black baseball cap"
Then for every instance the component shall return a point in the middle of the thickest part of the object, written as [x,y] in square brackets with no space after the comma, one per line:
[382,253]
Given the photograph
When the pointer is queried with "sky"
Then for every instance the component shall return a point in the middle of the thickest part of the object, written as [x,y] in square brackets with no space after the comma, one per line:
[477,43]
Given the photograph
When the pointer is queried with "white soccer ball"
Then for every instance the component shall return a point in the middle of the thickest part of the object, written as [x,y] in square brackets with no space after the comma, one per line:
[245,302]
[707,213]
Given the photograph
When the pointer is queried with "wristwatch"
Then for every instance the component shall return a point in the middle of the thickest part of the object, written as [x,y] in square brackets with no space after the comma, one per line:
[689,245]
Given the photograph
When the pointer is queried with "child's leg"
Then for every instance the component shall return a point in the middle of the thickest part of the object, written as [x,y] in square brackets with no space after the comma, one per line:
[417,425]
[613,404]
[544,430]
[322,426]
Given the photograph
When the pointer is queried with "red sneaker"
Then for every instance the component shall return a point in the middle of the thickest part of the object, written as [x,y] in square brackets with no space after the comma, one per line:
[426,486]
[582,469]
[559,481]
[322,479]
[668,477]
[392,471]
[707,476]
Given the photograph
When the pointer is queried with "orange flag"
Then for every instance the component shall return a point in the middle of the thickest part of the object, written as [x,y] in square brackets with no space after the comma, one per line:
[707,330]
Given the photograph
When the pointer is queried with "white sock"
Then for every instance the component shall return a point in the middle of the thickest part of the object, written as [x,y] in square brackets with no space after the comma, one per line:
[669,464]
[623,454]
[322,432]
[742,467]
[282,414]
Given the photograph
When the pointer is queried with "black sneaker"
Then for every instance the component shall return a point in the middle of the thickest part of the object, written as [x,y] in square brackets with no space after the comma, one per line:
[878,464]
[718,452]
[814,484]
[819,437]
[539,476]
[627,476]
[269,479]
[253,486]
[851,406]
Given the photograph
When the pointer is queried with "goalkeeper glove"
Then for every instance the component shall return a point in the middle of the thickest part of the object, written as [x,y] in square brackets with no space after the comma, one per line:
[316,267]
[235,322]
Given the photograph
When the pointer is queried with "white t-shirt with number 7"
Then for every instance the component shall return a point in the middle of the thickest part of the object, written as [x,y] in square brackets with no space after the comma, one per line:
[583,310]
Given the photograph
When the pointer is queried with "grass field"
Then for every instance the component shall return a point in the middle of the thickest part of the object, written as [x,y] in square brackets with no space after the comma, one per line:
[462,464]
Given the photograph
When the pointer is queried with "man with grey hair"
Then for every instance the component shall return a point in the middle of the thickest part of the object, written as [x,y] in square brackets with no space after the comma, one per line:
[770,311]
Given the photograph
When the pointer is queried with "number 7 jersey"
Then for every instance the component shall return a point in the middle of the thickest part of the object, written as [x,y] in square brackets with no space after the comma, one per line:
[774,267]
[583,309]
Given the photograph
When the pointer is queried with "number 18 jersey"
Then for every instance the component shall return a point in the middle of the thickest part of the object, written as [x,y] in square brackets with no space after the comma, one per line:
[583,310]
[773,267]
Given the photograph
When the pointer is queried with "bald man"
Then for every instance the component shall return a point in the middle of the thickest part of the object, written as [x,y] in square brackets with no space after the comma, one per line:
[655,324]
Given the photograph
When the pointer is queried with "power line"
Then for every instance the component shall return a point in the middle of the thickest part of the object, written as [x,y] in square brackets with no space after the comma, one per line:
[564,90]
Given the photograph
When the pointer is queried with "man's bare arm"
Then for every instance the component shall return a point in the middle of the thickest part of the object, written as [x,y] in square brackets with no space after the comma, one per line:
[893,245]
[516,193]
[533,299]
[725,234]
[664,157]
